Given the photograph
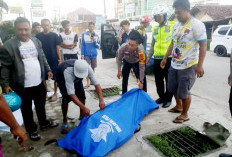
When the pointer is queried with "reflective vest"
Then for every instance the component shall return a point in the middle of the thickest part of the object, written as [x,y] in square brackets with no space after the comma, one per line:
[163,37]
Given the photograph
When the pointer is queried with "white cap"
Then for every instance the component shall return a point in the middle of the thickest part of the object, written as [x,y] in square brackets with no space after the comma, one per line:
[81,68]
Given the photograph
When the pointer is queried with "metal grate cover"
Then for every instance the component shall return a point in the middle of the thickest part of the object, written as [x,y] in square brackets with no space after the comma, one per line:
[183,142]
[108,91]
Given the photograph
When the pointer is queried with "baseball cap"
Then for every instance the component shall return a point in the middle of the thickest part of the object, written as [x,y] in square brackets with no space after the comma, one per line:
[81,68]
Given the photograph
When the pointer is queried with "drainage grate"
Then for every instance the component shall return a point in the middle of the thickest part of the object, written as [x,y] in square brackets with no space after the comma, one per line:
[184,142]
[106,92]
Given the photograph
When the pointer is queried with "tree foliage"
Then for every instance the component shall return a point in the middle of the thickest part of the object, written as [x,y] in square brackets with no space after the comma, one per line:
[7,30]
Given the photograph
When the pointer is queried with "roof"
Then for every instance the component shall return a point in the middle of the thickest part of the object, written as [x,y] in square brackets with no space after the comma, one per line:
[215,12]
[83,11]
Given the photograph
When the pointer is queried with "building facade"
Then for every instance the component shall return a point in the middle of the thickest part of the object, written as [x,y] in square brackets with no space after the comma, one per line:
[133,9]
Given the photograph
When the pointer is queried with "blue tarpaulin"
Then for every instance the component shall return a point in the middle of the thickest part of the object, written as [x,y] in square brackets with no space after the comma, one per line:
[107,130]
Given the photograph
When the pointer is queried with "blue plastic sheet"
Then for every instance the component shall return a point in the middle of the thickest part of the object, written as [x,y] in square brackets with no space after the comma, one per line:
[14,101]
[107,130]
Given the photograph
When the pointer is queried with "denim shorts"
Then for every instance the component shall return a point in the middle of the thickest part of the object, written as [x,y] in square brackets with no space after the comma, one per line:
[181,81]
[92,62]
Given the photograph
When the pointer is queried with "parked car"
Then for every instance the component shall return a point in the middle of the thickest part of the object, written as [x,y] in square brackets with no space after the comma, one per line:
[221,43]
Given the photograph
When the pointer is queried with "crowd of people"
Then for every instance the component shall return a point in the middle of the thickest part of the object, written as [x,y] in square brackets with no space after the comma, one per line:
[32,57]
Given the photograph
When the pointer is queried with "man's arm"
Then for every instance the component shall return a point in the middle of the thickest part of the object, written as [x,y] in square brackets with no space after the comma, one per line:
[75,99]
[168,53]
[99,93]
[119,60]
[7,117]
[151,49]
[69,83]
[202,53]
[97,42]
[6,63]
[58,53]
[82,46]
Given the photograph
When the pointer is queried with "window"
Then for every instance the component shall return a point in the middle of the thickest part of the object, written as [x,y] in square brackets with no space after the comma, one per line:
[223,30]
[230,33]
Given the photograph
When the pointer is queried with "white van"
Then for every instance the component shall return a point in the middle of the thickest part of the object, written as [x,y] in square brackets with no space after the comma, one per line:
[221,43]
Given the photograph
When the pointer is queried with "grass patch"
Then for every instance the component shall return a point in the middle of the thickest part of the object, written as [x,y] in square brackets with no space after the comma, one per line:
[107,92]
[183,142]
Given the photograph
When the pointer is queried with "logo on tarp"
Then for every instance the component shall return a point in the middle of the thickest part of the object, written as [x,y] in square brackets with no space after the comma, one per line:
[103,129]
[101,132]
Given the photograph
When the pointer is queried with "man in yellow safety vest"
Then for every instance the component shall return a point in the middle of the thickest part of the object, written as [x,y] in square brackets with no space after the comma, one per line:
[162,37]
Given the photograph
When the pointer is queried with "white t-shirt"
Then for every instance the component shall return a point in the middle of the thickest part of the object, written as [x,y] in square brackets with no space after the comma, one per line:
[32,67]
[186,40]
[69,39]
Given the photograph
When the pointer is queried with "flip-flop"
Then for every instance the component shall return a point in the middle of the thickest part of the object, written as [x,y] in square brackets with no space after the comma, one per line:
[35,136]
[87,86]
[180,120]
[173,110]
[49,125]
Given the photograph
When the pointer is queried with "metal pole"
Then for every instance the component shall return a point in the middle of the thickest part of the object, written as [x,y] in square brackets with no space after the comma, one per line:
[31,15]
[105,9]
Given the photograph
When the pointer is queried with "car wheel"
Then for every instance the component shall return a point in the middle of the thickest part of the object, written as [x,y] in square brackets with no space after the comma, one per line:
[220,51]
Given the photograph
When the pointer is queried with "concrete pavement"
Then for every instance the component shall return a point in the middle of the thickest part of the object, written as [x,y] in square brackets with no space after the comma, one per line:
[203,108]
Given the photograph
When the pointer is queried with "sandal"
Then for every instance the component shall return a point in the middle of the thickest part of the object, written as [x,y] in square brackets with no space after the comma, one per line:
[174,110]
[87,86]
[53,98]
[180,120]
[35,136]
[49,125]
[64,128]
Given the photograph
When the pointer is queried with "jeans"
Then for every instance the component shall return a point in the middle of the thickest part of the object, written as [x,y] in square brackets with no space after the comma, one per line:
[125,75]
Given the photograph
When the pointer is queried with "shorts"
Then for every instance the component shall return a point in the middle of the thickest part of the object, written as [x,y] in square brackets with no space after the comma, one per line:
[79,89]
[92,62]
[181,81]
[70,56]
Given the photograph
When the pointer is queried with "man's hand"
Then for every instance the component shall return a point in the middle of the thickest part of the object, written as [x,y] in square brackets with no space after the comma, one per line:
[86,111]
[102,104]
[82,57]
[92,38]
[119,75]
[50,75]
[199,71]
[147,61]
[140,85]
[163,63]
[119,39]
[20,133]
[7,90]
[229,82]
[59,61]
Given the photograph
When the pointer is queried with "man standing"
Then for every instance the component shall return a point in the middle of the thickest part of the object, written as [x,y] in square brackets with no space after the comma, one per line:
[144,23]
[188,48]
[162,37]
[89,45]
[69,78]
[125,24]
[36,28]
[51,47]
[23,68]
[133,56]
[68,42]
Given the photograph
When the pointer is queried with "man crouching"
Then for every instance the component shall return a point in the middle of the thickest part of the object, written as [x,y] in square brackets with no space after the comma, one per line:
[69,78]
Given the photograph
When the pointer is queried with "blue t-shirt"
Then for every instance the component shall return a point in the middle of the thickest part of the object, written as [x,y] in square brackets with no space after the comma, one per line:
[49,42]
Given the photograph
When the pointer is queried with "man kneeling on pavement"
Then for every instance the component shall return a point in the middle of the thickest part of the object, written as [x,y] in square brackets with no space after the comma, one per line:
[70,74]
